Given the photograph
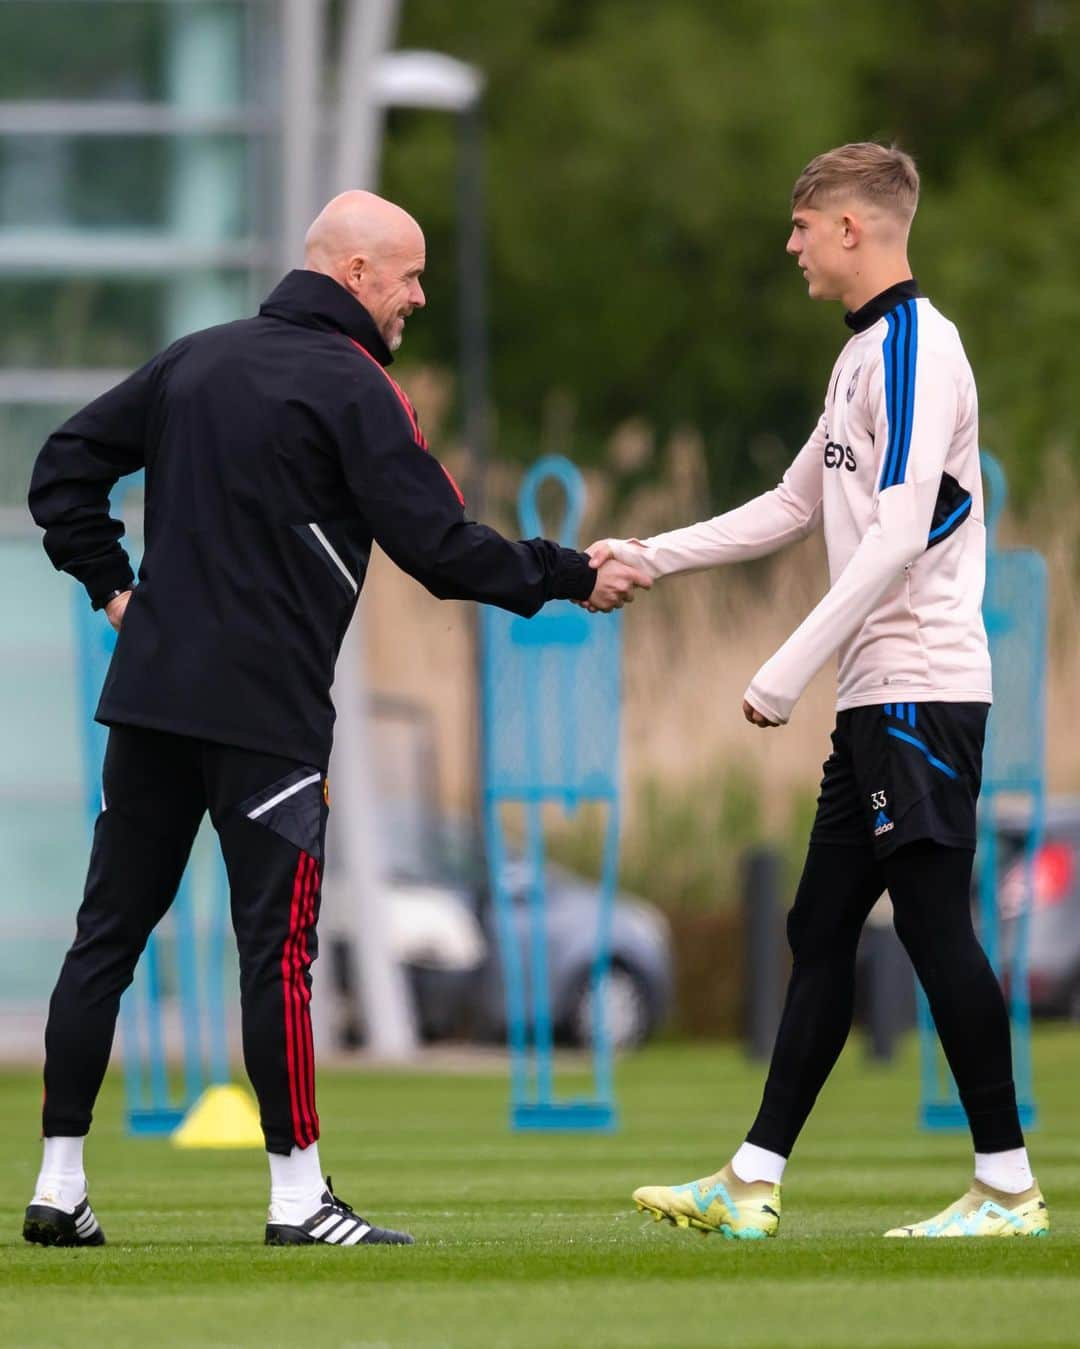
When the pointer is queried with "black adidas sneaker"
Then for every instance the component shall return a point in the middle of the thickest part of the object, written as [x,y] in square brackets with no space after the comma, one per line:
[48,1226]
[335,1223]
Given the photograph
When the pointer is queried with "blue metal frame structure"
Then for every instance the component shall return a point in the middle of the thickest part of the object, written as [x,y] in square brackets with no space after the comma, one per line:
[551,704]
[1015,613]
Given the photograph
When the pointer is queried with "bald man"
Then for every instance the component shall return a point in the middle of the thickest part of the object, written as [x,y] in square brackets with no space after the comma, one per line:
[277,450]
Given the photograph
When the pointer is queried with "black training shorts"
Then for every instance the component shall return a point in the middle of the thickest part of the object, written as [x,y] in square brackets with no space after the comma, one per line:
[901,772]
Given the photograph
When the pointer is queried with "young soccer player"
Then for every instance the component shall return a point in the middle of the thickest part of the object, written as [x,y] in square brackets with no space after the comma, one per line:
[892,473]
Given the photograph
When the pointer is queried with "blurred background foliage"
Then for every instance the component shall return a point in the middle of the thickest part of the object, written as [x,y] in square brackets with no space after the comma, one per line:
[686,841]
[640,161]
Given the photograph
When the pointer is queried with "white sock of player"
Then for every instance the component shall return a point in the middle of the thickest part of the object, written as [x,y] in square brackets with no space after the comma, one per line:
[296,1184]
[752,1163]
[1009,1171]
[61,1181]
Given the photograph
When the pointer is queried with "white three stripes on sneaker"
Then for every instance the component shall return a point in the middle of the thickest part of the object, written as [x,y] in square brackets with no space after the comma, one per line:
[86,1224]
[341,1231]
[283,796]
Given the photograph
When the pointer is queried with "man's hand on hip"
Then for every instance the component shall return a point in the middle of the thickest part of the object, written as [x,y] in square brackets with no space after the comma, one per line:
[114,610]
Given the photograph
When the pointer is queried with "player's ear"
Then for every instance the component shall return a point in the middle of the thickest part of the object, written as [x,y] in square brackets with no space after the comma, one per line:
[851,230]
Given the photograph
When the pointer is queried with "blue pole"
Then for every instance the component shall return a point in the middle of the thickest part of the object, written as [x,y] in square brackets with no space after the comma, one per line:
[187,967]
[217,924]
[602,1046]
[538,977]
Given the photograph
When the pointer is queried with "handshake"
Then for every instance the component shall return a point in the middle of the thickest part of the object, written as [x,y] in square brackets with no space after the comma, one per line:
[615,581]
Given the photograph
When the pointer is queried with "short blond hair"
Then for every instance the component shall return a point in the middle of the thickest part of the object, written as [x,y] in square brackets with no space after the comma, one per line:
[883,175]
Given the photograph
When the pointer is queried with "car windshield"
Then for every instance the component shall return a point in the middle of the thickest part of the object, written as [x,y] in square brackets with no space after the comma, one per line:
[420,847]
[421,844]
[409,841]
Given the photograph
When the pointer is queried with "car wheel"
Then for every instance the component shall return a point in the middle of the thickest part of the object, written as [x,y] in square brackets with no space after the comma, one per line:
[627,1011]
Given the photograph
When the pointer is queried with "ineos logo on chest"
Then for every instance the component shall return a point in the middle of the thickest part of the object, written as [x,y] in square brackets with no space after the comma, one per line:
[839,456]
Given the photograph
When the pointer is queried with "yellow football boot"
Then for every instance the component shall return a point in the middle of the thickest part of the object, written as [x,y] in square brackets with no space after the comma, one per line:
[984,1212]
[721,1203]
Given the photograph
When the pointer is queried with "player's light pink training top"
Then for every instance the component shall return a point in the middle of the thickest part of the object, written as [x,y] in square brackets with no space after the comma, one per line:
[892,470]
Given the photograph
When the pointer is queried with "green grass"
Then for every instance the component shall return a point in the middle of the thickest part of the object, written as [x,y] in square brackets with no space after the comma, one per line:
[529,1240]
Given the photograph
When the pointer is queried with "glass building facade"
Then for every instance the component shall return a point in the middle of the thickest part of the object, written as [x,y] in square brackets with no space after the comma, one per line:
[136,150]
[160,161]
[139,152]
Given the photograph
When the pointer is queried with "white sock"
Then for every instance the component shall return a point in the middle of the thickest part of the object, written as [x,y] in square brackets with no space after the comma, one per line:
[61,1181]
[1009,1171]
[296,1184]
[752,1163]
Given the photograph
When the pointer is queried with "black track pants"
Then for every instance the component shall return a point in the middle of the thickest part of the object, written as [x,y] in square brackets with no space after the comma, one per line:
[929,885]
[270,815]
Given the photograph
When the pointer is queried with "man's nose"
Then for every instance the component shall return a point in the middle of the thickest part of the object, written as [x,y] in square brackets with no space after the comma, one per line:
[419,299]
[792,246]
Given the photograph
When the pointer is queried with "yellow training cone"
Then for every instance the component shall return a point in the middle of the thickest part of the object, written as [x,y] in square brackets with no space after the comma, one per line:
[222,1117]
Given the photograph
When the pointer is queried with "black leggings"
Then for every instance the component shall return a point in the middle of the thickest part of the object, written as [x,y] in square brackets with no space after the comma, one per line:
[930,890]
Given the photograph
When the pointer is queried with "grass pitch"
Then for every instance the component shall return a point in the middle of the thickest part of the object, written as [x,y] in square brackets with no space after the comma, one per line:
[531,1240]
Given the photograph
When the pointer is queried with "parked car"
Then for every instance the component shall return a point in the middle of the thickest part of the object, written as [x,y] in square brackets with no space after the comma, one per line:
[1054,918]
[443,927]
[639,984]
[443,932]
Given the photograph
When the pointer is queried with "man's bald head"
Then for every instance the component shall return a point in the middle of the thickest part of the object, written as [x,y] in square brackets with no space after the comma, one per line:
[376,251]
[356,222]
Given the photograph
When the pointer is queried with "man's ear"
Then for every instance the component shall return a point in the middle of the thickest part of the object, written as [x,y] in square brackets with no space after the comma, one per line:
[851,231]
[355,272]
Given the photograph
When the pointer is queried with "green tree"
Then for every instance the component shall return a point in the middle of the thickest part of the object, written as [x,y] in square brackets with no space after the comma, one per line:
[640,158]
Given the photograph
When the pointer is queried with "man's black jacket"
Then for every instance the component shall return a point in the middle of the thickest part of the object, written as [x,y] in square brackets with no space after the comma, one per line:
[276,449]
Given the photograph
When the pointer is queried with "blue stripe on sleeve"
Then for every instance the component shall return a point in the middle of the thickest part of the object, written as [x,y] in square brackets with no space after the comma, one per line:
[888,361]
[899,397]
[899,357]
[946,525]
[897,403]
[911,353]
[895,436]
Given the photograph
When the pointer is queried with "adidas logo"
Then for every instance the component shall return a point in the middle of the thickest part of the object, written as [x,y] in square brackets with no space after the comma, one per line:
[882,824]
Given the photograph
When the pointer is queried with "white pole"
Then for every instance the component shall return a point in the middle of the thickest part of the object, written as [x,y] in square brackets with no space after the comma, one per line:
[358,892]
[302,33]
[367,32]
[359,897]
[302,40]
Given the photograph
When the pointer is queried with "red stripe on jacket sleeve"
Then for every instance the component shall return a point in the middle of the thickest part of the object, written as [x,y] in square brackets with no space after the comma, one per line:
[410,413]
[398,392]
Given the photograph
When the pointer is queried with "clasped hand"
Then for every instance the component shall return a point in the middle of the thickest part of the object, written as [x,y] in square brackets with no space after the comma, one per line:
[615,581]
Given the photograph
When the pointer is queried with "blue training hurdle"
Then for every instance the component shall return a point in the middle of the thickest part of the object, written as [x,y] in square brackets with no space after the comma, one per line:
[1015,613]
[551,700]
